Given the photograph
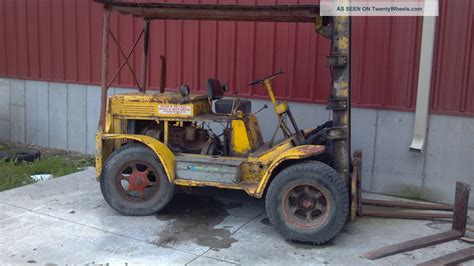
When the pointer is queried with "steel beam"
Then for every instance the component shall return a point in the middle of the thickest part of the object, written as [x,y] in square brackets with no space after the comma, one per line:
[339,100]
[458,229]
[105,67]
[146,33]
[406,215]
[408,205]
[270,13]
[454,258]
[413,244]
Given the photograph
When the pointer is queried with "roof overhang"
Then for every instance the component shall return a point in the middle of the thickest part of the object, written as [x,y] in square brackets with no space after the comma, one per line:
[269,13]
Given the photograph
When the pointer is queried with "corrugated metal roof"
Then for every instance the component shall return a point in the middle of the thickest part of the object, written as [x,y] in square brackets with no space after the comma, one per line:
[60,40]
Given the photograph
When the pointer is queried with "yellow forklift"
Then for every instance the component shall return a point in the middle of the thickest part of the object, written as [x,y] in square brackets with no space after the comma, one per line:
[150,143]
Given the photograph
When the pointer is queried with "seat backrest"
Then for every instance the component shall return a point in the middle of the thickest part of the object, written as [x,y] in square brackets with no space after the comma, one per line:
[215,90]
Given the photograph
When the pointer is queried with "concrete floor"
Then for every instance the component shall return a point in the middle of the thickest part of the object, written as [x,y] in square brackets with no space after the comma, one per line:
[66,220]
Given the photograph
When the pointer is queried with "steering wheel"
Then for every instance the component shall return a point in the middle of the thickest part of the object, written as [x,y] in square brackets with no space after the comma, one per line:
[259,81]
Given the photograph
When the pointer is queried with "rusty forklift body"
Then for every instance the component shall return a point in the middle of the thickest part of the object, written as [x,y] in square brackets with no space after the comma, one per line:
[148,143]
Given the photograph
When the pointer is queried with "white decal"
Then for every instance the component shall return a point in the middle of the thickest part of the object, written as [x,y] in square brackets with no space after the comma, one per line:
[175,110]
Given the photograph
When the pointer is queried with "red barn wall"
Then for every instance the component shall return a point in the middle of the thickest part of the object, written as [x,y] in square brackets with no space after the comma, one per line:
[60,40]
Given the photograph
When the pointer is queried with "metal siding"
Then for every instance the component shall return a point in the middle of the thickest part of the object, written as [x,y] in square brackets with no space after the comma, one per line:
[3,36]
[453,74]
[62,42]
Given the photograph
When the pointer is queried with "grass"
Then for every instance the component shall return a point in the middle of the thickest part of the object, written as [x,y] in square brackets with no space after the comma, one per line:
[16,174]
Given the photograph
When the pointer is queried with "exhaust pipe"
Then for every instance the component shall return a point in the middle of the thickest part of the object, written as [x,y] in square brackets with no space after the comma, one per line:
[163,73]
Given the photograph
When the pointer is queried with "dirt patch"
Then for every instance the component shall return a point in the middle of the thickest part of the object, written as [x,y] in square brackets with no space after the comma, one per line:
[193,218]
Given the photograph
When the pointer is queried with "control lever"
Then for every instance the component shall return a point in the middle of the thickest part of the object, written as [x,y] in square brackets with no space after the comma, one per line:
[259,110]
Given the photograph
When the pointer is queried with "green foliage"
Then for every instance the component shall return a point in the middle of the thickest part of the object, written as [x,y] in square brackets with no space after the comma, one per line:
[15,174]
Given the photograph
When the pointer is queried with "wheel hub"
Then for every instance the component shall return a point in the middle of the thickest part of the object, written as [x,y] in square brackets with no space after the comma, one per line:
[305,206]
[307,203]
[137,181]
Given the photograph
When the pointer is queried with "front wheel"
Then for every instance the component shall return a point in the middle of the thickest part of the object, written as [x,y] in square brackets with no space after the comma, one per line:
[133,181]
[308,202]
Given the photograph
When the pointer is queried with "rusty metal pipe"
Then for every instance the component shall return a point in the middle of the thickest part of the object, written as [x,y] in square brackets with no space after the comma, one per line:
[413,244]
[105,68]
[406,215]
[461,206]
[146,32]
[339,101]
[163,73]
[454,258]
[408,205]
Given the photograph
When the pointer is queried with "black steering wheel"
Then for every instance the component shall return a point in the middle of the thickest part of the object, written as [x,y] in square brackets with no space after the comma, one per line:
[259,81]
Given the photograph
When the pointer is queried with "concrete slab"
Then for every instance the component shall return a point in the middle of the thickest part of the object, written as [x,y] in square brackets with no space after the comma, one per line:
[17,123]
[4,99]
[257,242]
[93,110]
[31,111]
[7,212]
[397,171]
[449,160]
[364,123]
[76,117]
[51,221]
[51,240]
[17,92]
[42,132]
[5,130]
[57,118]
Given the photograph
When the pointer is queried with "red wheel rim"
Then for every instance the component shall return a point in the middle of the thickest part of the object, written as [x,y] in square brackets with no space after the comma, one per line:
[137,181]
[306,206]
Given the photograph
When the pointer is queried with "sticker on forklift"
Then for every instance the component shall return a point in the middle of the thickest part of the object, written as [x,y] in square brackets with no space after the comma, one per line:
[180,110]
[203,168]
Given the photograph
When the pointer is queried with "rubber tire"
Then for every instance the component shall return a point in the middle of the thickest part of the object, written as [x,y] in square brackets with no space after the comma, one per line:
[325,176]
[127,153]
[20,155]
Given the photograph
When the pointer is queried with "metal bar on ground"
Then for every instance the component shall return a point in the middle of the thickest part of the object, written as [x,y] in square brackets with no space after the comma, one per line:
[105,67]
[408,205]
[146,32]
[454,258]
[413,244]
[458,229]
[269,13]
[461,206]
[406,215]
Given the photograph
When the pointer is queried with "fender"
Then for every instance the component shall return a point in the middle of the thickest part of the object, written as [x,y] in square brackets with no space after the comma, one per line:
[165,155]
[295,153]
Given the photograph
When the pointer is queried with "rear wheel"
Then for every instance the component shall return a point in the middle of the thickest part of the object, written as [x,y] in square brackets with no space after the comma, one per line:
[133,181]
[308,202]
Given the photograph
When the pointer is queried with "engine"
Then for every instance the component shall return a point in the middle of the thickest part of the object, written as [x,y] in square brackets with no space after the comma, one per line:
[187,138]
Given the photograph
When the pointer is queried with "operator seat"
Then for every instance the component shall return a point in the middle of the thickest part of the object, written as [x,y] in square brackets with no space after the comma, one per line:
[215,91]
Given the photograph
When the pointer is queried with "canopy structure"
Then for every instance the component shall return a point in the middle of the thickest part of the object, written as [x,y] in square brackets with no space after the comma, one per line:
[275,13]
[337,29]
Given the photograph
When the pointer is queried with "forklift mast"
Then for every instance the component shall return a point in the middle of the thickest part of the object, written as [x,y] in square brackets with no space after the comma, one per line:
[336,29]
